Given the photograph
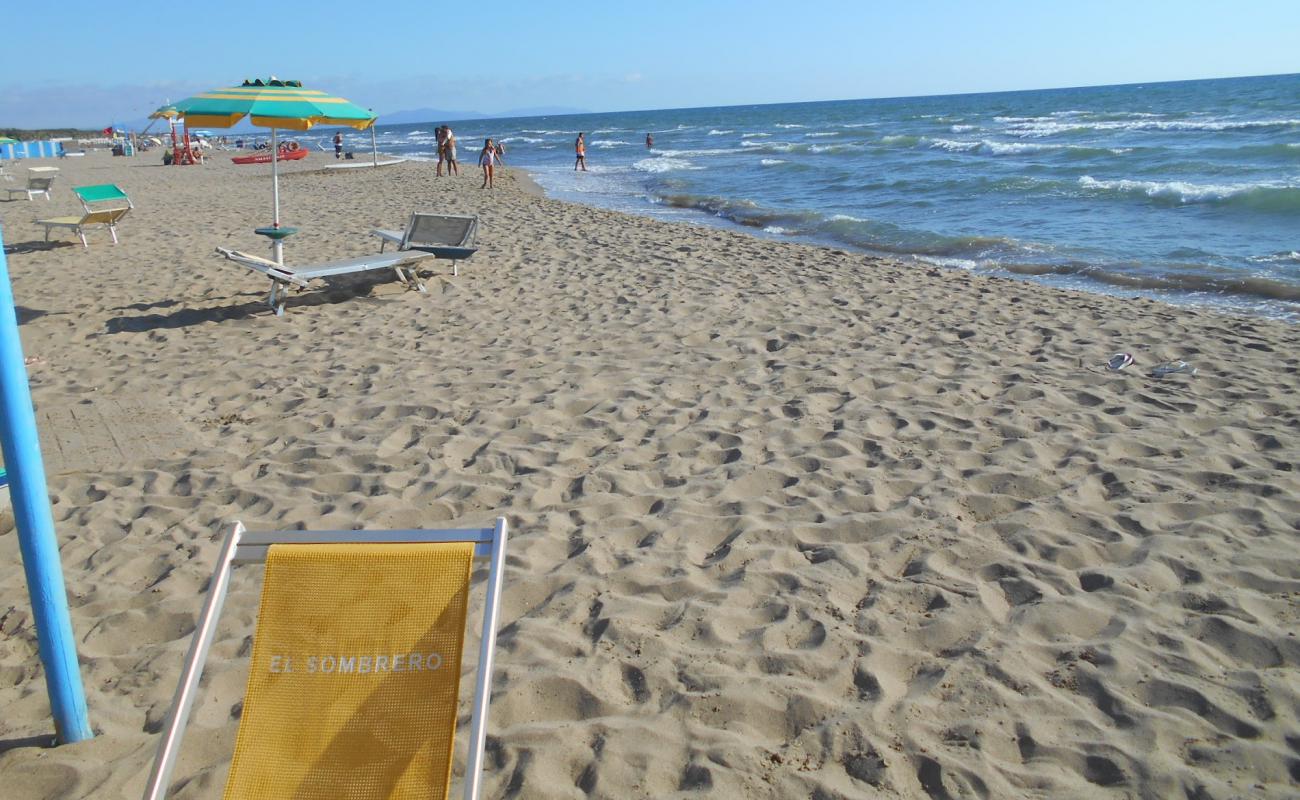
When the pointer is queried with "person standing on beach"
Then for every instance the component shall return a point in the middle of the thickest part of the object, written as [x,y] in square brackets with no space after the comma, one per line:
[440,133]
[338,145]
[487,159]
[450,144]
[580,147]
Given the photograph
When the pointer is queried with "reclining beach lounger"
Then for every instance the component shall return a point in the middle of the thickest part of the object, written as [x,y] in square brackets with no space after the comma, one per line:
[282,277]
[39,181]
[354,677]
[105,204]
[444,235]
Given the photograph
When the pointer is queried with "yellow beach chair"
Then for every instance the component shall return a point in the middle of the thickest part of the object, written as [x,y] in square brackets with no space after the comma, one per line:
[355,671]
[105,204]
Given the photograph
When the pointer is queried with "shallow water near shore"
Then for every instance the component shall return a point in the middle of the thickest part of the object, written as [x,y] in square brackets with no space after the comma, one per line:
[1188,191]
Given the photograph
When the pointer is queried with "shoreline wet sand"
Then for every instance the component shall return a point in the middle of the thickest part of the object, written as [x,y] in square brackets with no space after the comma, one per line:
[787,521]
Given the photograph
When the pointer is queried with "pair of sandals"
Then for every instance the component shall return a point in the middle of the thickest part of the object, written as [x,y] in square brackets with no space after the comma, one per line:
[1121,360]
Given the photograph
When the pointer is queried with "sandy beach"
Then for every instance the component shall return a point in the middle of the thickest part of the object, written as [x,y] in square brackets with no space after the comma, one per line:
[788,521]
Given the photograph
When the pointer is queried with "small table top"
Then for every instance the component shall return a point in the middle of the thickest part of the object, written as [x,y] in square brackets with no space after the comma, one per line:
[275,233]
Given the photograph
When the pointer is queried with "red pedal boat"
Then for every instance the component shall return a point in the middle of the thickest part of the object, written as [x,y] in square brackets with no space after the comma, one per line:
[264,156]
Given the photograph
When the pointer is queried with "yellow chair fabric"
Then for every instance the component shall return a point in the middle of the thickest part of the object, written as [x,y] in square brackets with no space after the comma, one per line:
[355,673]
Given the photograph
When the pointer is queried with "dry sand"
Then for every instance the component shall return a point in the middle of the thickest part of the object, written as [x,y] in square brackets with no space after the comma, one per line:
[789,521]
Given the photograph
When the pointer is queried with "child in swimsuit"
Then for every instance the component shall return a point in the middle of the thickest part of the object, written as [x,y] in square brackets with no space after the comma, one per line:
[580,147]
[487,159]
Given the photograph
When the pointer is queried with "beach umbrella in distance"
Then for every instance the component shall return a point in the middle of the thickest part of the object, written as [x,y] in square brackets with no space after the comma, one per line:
[278,105]
[169,113]
[7,140]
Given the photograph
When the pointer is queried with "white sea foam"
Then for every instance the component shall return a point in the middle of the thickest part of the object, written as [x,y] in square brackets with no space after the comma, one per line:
[544,133]
[777,229]
[771,162]
[896,138]
[770,147]
[832,148]
[950,263]
[859,124]
[789,125]
[821,134]
[607,144]
[962,128]
[1040,126]
[663,164]
[1181,191]
[953,146]
[528,139]
[1011,148]
[844,218]
[716,132]
[754,135]
[1293,256]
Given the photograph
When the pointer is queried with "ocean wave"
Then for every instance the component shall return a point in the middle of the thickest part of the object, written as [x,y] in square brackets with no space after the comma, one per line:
[1291,257]
[528,139]
[859,124]
[789,125]
[715,151]
[543,133]
[1267,196]
[1189,280]
[1037,127]
[606,144]
[962,128]
[833,148]
[716,132]
[741,211]
[821,134]
[771,162]
[1016,148]
[900,138]
[754,135]
[663,164]
[771,147]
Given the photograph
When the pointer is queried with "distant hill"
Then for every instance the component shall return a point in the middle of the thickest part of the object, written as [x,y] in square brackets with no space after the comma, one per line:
[437,115]
[33,135]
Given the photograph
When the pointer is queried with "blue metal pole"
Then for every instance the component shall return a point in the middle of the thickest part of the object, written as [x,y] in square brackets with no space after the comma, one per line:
[36,540]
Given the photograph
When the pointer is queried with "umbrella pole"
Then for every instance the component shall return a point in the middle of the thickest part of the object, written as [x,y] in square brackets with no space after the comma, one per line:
[277,244]
[374,148]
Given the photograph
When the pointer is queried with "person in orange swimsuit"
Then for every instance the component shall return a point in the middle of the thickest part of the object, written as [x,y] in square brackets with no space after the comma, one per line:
[580,147]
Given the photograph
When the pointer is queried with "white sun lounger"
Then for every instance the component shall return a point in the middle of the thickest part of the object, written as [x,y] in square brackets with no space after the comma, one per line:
[282,277]
[443,235]
[40,180]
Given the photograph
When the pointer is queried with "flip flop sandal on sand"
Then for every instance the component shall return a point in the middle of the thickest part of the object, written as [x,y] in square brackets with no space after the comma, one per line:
[1172,368]
[1120,361]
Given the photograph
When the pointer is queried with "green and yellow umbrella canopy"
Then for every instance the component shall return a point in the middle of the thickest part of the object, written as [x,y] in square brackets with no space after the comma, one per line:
[165,112]
[272,104]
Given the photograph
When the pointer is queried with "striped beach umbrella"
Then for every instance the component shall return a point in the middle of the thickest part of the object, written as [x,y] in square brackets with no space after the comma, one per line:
[277,105]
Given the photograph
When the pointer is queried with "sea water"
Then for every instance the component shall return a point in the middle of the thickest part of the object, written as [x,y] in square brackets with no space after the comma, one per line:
[1188,191]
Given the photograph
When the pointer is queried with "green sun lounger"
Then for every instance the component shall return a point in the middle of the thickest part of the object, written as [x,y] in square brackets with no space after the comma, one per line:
[104,204]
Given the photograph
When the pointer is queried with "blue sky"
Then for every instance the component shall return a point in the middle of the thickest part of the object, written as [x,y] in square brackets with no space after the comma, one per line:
[91,63]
